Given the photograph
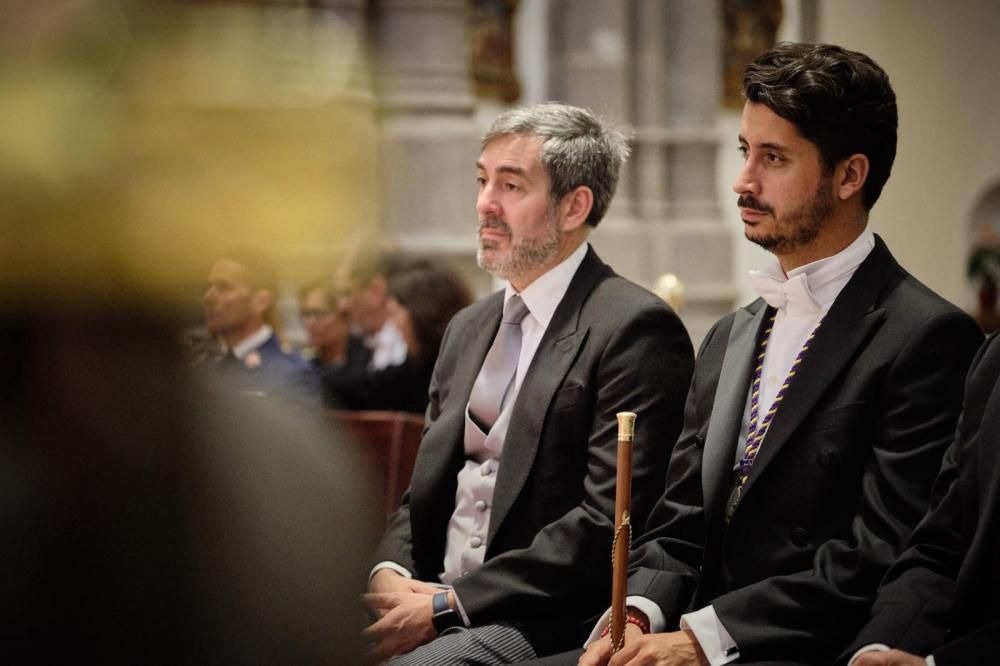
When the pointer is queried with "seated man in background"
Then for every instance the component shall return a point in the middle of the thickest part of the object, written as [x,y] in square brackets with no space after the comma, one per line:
[512,496]
[365,278]
[422,300]
[240,311]
[941,597]
[328,326]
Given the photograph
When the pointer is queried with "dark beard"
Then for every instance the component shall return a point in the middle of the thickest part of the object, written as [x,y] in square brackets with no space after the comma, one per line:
[800,227]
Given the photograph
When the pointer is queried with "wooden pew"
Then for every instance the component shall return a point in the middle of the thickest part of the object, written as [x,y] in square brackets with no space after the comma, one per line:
[388,441]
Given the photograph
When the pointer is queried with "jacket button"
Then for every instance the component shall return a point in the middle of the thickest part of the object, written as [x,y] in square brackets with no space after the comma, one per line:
[823,458]
[799,537]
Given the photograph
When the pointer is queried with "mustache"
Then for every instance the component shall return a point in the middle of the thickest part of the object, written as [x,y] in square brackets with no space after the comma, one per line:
[495,224]
[750,201]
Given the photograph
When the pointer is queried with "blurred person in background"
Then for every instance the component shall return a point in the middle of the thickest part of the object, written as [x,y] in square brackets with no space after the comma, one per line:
[365,276]
[422,300]
[149,514]
[240,311]
[328,325]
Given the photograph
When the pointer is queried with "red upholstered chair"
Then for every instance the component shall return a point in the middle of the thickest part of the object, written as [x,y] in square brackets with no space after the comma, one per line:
[388,441]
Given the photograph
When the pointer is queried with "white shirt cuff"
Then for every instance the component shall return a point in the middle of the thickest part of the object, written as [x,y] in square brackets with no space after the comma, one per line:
[461,608]
[718,646]
[657,622]
[390,565]
[871,647]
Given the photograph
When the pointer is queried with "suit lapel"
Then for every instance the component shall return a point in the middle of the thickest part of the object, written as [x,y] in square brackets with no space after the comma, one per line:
[729,404]
[556,352]
[851,320]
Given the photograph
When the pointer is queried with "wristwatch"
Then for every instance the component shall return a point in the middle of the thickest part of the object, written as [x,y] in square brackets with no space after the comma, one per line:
[444,617]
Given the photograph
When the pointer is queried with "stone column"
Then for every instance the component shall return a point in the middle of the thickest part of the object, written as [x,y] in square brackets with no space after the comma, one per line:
[654,66]
[428,138]
[689,239]
[591,60]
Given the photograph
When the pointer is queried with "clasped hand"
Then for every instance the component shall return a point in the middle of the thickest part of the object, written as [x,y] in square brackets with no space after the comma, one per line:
[403,608]
[677,648]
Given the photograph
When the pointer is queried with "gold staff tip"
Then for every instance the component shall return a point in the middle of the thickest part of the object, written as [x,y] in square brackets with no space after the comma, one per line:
[626,424]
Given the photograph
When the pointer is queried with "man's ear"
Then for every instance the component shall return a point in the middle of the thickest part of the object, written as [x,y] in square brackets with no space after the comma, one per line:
[577,205]
[850,176]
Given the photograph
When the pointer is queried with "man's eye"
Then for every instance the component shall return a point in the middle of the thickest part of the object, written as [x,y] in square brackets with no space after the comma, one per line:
[772,158]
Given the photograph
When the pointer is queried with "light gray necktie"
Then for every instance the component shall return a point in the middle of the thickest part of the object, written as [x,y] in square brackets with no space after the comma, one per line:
[497,373]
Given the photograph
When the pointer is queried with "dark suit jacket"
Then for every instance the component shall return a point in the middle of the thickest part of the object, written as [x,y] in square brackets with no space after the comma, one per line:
[401,387]
[270,372]
[842,477]
[610,346]
[943,595]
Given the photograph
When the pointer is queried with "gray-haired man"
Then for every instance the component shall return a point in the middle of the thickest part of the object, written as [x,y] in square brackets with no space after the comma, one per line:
[511,503]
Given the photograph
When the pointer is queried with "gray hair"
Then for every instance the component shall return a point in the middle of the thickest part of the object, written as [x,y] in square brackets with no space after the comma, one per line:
[577,149]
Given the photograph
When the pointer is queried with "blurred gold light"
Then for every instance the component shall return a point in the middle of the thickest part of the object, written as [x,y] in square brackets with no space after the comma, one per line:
[137,140]
[670,288]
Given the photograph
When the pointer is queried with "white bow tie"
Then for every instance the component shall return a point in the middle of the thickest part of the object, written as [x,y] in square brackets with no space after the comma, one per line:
[791,295]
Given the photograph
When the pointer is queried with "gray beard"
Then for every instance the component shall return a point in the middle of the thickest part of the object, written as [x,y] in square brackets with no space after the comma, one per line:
[524,257]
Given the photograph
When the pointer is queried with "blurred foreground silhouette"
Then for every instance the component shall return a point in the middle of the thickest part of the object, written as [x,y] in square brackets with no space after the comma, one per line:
[148,515]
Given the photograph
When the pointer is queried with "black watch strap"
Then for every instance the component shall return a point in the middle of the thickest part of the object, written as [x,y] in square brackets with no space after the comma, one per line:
[444,617]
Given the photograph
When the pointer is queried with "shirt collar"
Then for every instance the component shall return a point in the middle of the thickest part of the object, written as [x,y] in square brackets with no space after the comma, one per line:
[252,341]
[544,294]
[826,277]
[384,337]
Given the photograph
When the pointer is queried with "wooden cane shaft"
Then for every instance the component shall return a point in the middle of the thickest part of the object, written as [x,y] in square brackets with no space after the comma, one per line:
[623,498]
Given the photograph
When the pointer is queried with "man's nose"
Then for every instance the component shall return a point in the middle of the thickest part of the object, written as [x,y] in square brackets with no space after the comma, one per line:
[487,204]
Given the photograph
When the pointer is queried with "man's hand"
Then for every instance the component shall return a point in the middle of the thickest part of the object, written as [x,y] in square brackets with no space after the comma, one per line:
[405,622]
[599,652]
[388,580]
[890,658]
[677,648]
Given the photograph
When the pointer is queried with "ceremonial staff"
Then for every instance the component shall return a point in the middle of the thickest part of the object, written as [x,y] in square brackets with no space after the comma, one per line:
[623,529]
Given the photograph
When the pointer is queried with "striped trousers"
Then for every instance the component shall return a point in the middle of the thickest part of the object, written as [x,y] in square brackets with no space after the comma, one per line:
[488,645]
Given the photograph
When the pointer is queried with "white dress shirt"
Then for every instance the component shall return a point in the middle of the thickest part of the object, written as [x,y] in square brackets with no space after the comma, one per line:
[252,342]
[387,345]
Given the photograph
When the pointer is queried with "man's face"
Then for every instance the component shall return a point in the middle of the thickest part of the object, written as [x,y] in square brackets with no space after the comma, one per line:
[325,322]
[230,307]
[786,196]
[519,234]
[365,304]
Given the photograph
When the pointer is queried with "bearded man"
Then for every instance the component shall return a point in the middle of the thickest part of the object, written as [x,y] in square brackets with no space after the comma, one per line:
[512,497]
[818,414]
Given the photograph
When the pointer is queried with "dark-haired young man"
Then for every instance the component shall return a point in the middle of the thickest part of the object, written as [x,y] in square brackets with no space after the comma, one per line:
[818,414]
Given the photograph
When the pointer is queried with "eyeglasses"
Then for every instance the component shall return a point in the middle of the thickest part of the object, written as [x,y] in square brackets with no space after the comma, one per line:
[314,314]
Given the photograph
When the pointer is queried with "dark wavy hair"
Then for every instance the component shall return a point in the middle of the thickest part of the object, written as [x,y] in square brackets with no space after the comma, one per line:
[432,295]
[840,100]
